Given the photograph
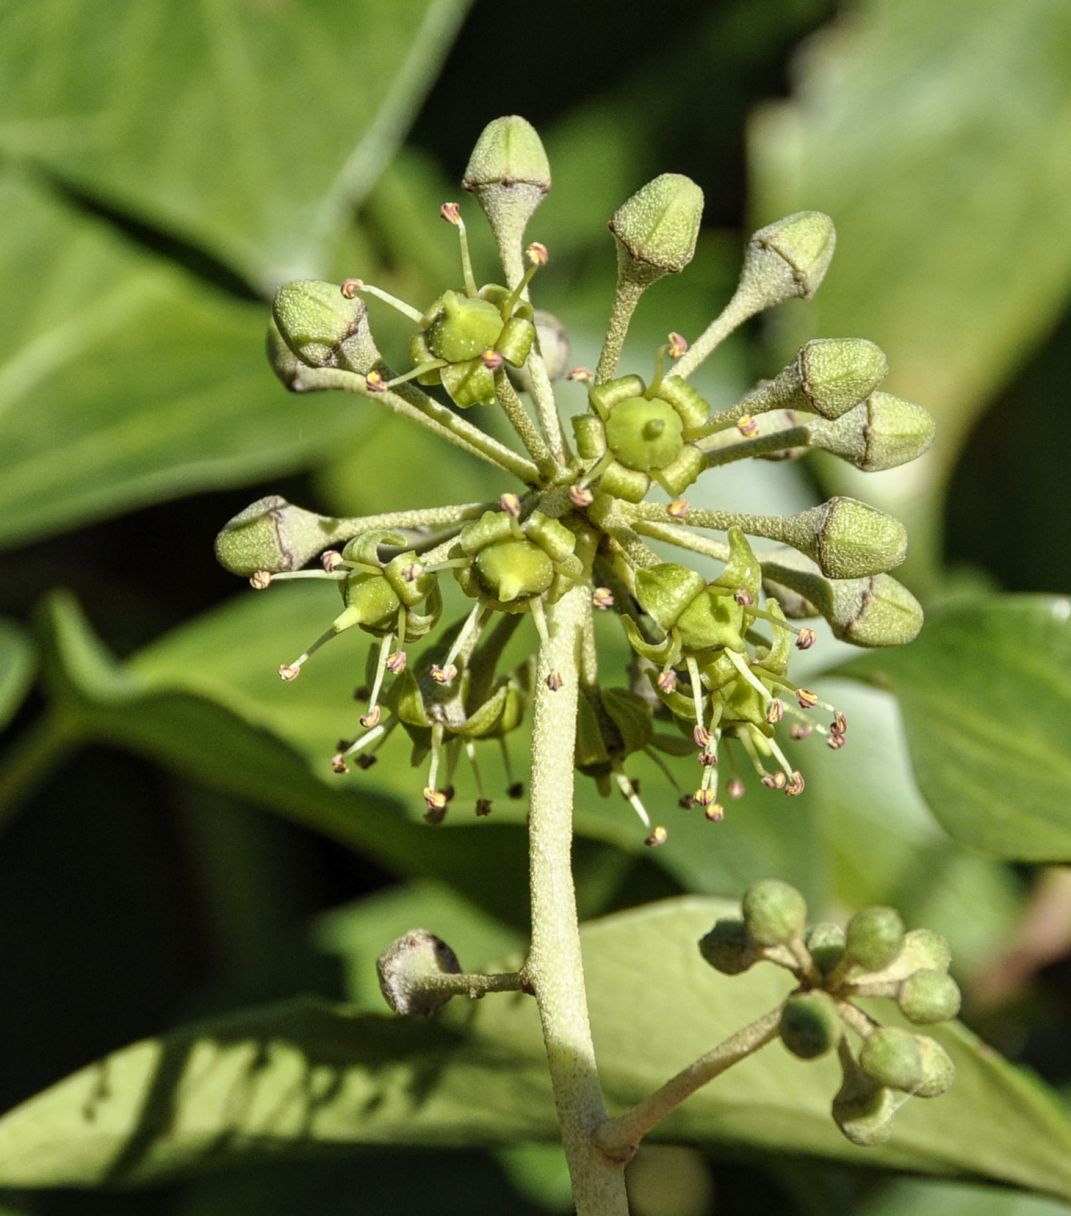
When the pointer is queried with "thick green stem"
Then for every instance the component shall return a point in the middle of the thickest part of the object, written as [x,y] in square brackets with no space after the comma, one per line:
[554,968]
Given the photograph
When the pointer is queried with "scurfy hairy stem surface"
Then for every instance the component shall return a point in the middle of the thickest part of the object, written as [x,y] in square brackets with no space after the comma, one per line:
[555,968]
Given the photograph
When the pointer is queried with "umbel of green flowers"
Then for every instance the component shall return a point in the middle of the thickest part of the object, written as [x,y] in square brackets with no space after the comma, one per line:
[712,633]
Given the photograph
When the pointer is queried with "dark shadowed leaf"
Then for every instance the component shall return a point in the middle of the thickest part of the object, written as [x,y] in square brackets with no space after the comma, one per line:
[308,1078]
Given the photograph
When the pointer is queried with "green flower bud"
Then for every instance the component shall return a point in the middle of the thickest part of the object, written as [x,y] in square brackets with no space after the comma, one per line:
[322,327]
[864,1112]
[875,611]
[837,373]
[273,535]
[656,229]
[727,947]
[826,945]
[774,912]
[848,538]
[405,968]
[891,1057]
[938,1071]
[925,950]
[874,937]
[809,1025]
[881,432]
[509,173]
[788,258]
[927,997]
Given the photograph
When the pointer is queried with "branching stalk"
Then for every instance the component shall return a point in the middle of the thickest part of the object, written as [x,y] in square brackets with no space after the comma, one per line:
[620,1136]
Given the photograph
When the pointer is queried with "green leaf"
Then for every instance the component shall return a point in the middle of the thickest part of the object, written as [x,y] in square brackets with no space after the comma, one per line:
[251,131]
[124,381]
[307,1078]
[225,737]
[908,1196]
[16,668]
[942,159]
[985,692]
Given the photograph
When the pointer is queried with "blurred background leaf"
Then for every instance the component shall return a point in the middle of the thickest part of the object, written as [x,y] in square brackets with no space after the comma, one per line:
[946,161]
[193,120]
[988,740]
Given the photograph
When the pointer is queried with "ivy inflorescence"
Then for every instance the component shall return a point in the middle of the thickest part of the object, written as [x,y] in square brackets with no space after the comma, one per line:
[711,656]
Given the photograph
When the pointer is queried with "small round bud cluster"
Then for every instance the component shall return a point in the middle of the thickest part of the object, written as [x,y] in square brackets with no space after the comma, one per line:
[872,957]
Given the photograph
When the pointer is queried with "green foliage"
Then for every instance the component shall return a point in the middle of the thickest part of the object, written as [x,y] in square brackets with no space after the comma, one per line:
[289,1080]
[161,172]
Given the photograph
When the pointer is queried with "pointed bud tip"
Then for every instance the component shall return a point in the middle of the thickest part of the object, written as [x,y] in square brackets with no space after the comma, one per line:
[320,322]
[657,228]
[508,153]
[838,373]
[792,254]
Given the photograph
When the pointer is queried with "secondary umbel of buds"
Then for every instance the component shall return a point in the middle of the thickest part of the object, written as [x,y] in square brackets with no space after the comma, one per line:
[657,228]
[323,327]
[406,967]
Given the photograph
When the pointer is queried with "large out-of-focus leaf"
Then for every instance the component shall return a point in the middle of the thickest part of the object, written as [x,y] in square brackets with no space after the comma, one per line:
[124,381]
[305,1078]
[16,668]
[939,139]
[225,738]
[986,697]
[249,128]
